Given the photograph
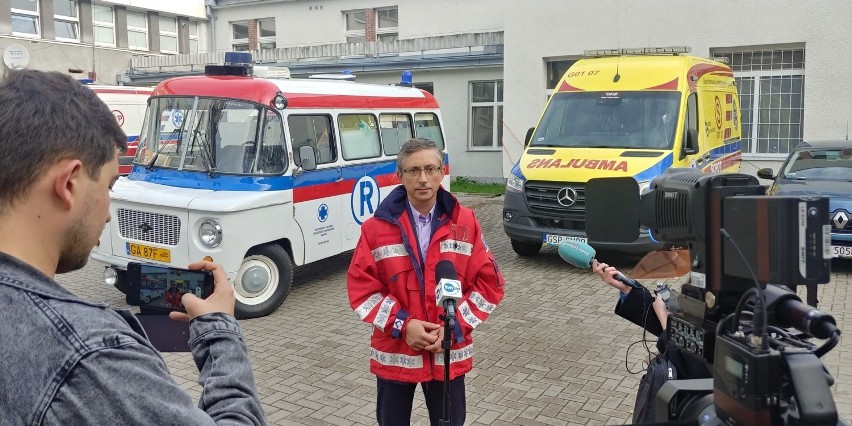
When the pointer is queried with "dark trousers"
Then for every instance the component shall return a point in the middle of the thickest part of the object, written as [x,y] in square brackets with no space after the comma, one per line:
[393,406]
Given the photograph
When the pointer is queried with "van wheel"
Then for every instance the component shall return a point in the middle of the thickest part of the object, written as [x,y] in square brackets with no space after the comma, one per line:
[263,281]
[524,248]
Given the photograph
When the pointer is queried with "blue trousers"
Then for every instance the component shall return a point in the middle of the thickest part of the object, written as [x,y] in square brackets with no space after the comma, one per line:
[393,405]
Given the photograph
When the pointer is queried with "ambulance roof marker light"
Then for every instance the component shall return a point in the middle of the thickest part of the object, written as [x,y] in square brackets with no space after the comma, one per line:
[406,80]
[236,63]
[671,50]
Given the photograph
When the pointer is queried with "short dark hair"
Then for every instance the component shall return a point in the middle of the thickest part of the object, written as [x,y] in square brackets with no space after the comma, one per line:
[46,117]
[417,144]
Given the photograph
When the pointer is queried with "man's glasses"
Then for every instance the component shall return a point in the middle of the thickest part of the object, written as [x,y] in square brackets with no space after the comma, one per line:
[415,172]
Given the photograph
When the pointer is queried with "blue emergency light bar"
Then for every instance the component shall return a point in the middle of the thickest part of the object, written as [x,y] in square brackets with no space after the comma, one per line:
[236,63]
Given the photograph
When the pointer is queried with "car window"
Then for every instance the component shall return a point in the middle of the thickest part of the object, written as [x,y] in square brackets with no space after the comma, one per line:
[820,164]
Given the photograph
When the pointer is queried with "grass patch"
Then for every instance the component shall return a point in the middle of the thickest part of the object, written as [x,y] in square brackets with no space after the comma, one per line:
[463,184]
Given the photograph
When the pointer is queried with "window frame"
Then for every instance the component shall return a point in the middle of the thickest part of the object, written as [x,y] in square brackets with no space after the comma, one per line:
[193,37]
[334,151]
[266,40]
[135,29]
[103,24]
[395,114]
[34,15]
[375,131]
[73,20]
[169,34]
[496,125]
[238,43]
[359,35]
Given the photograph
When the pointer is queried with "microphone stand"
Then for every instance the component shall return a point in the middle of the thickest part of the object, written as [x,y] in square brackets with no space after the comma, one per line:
[449,323]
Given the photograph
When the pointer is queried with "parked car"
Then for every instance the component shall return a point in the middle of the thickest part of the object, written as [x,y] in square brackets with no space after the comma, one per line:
[820,168]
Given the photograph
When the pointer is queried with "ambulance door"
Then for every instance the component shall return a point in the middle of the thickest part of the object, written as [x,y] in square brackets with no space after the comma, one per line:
[691,154]
[714,109]
[317,193]
[366,171]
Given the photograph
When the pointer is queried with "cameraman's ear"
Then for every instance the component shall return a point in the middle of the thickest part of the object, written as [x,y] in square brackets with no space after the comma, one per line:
[66,181]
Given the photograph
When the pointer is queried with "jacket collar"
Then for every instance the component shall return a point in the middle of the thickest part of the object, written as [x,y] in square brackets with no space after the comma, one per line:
[395,204]
[19,274]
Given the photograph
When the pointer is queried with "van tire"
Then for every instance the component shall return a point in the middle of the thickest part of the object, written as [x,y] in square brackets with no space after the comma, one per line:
[267,261]
[523,248]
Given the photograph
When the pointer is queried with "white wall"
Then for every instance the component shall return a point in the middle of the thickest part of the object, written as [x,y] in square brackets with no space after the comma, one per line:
[47,55]
[190,8]
[554,28]
[302,23]
[451,91]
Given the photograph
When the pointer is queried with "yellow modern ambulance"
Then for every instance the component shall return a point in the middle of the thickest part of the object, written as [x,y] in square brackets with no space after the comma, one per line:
[619,113]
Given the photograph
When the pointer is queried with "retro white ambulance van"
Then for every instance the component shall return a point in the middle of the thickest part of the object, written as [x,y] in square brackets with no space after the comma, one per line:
[621,113]
[128,106]
[260,174]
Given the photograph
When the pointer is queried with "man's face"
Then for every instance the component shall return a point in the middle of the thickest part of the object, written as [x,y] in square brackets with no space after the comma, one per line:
[421,187]
[84,229]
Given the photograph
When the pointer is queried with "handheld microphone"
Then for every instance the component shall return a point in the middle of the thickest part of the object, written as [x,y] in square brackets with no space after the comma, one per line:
[581,255]
[448,292]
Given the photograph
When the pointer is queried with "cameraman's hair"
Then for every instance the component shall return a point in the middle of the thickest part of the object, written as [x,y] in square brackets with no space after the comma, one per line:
[46,117]
[417,144]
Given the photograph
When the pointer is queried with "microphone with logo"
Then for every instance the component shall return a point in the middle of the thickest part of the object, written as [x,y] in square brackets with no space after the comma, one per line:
[581,255]
[448,294]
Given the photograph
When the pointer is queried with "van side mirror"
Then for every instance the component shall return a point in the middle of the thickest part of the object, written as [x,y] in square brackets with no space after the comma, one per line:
[766,173]
[307,157]
[528,138]
[690,146]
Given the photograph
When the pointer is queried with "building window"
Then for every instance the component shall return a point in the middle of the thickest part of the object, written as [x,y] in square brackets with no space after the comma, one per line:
[771,86]
[429,87]
[387,23]
[266,33]
[168,34]
[66,20]
[192,27]
[25,18]
[362,24]
[240,36]
[555,71]
[486,115]
[137,30]
[103,24]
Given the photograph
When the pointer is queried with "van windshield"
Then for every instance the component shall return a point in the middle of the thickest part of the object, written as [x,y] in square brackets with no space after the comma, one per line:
[212,135]
[609,120]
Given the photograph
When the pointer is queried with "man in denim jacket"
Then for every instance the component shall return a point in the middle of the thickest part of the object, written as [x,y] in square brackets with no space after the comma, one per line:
[64,360]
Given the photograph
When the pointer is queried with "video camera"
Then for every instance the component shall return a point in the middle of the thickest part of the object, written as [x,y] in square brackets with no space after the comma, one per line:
[728,316]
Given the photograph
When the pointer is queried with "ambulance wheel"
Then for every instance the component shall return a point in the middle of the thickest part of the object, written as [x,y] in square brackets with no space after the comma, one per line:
[263,281]
[524,248]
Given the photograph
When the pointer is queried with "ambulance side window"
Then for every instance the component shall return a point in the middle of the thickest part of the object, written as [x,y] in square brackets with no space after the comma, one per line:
[426,125]
[359,136]
[395,130]
[313,130]
[690,143]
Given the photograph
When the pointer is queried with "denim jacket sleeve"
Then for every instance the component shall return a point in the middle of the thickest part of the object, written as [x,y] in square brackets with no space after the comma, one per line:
[130,383]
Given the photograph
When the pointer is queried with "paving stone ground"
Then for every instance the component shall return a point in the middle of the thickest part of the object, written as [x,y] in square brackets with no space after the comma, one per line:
[553,353]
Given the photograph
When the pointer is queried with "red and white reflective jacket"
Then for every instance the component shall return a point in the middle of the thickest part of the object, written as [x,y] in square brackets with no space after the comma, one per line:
[388,284]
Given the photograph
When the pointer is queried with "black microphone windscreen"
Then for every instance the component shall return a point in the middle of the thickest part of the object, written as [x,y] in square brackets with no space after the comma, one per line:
[612,209]
[445,270]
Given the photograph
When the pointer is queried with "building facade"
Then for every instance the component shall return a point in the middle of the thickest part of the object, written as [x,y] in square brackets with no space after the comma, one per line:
[491,64]
[96,39]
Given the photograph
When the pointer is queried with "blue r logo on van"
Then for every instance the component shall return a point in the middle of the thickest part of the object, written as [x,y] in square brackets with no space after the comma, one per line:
[365,199]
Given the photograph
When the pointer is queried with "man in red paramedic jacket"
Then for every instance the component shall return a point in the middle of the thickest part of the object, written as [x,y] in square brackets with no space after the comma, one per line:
[391,285]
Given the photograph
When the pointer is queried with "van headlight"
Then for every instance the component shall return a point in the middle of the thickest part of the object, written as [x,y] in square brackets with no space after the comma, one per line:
[514,183]
[644,187]
[210,233]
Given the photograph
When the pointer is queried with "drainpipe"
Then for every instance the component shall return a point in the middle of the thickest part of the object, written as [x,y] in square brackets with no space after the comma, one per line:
[209,8]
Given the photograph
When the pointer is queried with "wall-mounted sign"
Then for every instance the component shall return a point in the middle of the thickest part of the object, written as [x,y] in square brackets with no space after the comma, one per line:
[16,57]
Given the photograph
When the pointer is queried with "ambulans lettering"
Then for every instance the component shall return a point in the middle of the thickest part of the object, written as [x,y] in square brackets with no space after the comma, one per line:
[578,163]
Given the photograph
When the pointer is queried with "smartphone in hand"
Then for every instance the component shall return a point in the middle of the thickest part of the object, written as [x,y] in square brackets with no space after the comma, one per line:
[161,287]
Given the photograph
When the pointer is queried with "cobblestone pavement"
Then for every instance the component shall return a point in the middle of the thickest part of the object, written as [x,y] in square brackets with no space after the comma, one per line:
[553,353]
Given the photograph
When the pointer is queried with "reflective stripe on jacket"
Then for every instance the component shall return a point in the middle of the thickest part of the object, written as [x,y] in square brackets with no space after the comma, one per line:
[387,285]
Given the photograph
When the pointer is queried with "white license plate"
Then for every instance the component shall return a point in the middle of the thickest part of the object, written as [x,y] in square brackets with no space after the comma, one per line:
[554,240]
[842,251]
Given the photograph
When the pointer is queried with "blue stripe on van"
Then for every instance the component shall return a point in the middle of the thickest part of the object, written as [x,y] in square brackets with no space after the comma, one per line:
[656,169]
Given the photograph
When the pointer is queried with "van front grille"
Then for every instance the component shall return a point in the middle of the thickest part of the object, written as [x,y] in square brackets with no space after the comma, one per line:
[543,198]
[151,227]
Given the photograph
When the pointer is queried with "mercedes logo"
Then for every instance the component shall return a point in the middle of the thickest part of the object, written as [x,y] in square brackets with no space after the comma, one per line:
[145,228]
[841,218]
[566,197]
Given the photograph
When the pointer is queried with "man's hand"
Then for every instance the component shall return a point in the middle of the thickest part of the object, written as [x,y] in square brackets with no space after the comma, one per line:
[418,334]
[222,299]
[436,347]
[607,274]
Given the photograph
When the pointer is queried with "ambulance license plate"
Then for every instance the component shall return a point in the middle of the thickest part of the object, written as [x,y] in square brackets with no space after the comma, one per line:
[554,240]
[147,252]
[842,251]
